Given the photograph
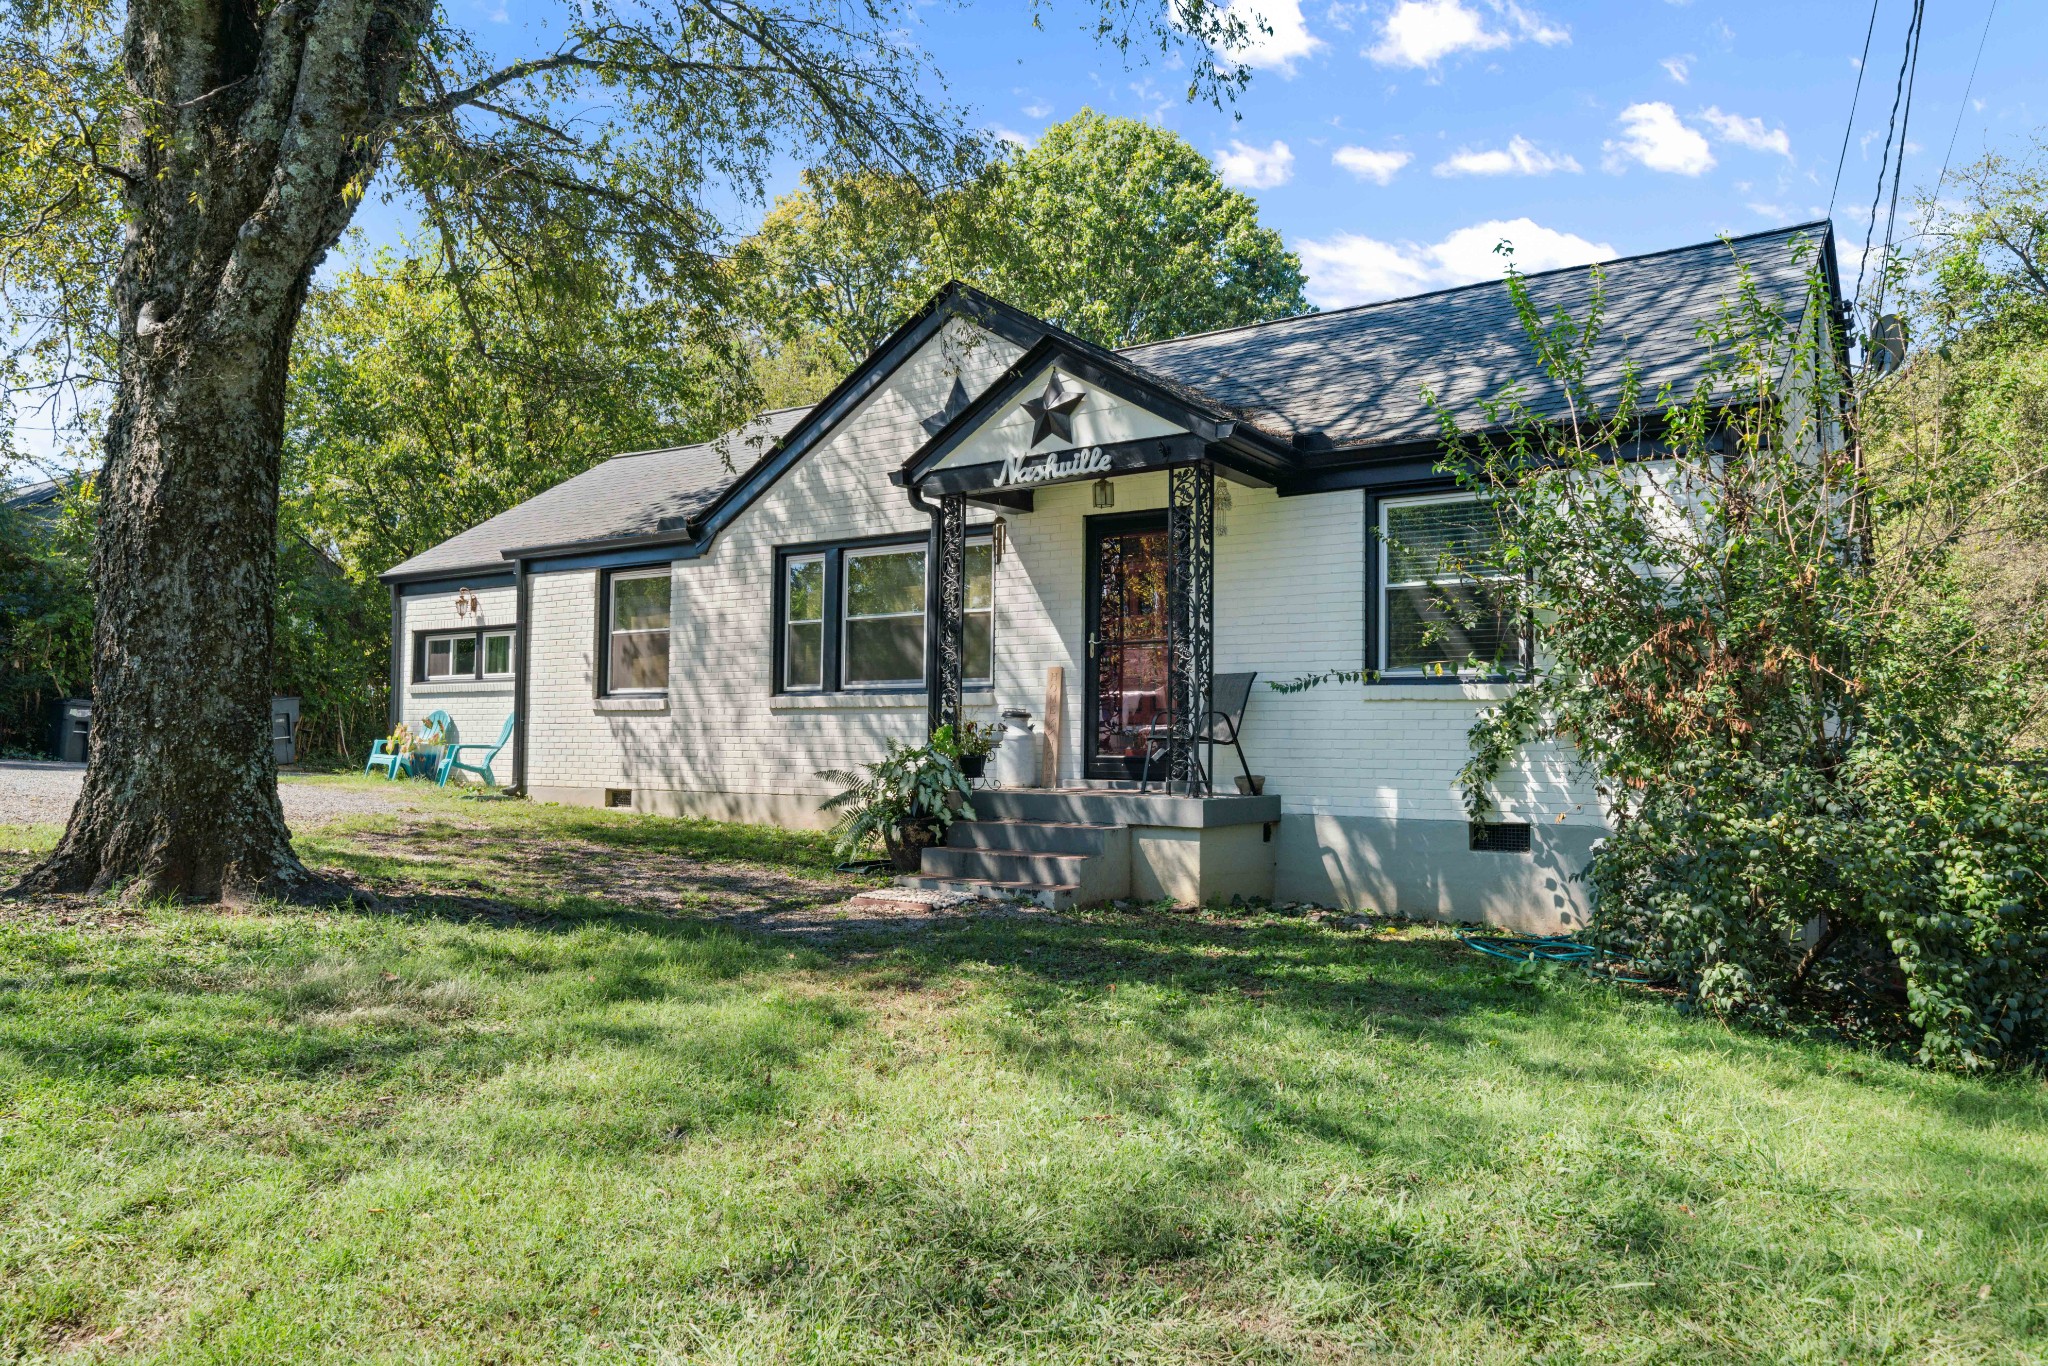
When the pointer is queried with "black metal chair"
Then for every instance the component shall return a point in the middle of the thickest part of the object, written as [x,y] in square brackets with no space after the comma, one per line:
[1223,723]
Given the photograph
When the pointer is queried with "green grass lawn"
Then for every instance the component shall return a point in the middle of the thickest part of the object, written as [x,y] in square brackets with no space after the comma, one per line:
[571,1096]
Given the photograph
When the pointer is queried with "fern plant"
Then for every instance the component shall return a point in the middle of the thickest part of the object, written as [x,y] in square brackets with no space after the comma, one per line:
[905,799]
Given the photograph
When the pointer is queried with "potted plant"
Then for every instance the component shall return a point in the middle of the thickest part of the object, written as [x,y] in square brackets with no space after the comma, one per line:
[968,745]
[906,799]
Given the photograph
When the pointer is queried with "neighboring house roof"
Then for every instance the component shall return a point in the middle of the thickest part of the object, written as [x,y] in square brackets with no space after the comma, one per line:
[1355,377]
[1349,381]
[44,494]
[628,495]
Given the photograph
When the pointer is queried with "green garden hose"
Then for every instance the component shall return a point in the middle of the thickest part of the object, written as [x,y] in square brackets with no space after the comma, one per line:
[1557,948]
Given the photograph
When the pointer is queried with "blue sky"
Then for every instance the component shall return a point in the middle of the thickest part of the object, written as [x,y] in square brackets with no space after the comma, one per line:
[1390,140]
[1394,142]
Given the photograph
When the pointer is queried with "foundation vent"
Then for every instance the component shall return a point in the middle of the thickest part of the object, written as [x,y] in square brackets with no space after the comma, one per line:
[1500,837]
[623,796]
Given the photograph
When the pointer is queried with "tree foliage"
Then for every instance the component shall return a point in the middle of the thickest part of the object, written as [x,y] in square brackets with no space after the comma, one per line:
[1810,753]
[1113,228]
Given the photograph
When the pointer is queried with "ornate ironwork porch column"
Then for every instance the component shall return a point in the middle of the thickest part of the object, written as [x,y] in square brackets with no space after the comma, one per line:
[949,580]
[1191,627]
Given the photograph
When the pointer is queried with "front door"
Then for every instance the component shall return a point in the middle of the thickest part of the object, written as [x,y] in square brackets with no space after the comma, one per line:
[1125,685]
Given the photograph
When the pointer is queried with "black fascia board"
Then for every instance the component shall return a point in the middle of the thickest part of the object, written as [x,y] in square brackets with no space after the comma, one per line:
[1374,466]
[1104,370]
[486,575]
[954,300]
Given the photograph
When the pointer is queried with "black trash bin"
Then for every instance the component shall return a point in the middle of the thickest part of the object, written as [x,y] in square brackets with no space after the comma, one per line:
[70,729]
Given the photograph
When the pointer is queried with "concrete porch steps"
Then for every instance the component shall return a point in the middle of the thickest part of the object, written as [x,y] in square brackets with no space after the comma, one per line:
[1057,863]
[1083,847]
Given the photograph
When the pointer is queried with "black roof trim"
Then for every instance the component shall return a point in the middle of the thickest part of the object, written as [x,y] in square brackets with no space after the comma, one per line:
[954,300]
[1105,369]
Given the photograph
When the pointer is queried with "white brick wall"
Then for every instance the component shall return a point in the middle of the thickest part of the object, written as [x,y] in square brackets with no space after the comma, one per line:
[1290,578]
[479,709]
[723,730]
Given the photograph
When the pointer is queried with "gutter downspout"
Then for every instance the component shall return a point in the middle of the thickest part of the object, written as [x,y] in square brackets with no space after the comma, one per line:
[522,619]
[394,710]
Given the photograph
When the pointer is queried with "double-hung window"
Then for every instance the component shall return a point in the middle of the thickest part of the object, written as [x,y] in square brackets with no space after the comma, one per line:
[636,631]
[464,656]
[882,622]
[853,617]
[1444,600]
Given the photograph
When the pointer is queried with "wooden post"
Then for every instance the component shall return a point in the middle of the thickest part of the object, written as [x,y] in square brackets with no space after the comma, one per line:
[1055,723]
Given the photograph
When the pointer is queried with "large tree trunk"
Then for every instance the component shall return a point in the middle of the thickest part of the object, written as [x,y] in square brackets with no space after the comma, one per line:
[256,124]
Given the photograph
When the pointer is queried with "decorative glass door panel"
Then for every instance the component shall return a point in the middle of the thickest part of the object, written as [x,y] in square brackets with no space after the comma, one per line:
[1127,669]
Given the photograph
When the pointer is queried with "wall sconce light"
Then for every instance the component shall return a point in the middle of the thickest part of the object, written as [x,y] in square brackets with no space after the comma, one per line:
[466,604]
[1105,494]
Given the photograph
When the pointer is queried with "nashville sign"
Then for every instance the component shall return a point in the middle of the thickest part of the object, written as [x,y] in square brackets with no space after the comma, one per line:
[1045,469]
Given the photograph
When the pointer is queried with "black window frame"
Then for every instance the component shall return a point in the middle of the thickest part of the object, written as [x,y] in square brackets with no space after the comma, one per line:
[1376,664]
[602,654]
[833,673]
[421,638]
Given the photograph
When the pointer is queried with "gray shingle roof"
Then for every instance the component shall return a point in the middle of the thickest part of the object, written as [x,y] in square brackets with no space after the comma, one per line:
[1350,378]
[627,495]
[1356,375]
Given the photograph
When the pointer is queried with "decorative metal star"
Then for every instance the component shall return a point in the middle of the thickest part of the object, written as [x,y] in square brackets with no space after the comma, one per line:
[956,403]
[1052,412]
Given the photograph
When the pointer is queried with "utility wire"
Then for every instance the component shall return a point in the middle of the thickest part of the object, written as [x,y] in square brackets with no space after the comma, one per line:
[1899,171]
[1967,87]
[1862,64]
[1891,130]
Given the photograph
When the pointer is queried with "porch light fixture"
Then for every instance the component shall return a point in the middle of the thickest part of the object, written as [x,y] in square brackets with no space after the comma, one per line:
[1105,494]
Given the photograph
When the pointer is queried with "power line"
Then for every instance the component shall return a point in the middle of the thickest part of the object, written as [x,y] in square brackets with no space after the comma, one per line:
[1899,171]
[1891,131]
[1968,86]
[1862,65]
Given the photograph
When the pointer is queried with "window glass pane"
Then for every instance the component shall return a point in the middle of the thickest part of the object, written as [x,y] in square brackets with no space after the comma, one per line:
[1440,540]
[639,661]
[498,654]
[978,655]
[1449,625]
[640,604]
[438,652]
[803,655]
[806,599]
[887,650]
[879,584]
[981,577]
[465,656]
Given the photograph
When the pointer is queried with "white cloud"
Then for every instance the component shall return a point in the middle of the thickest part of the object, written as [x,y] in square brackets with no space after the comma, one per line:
[1678,68]
[1371,164]
[1255,168]
[1289,41]
[1652,135]
[1009,135]
[1037,109]
[1745,132]
[1351,268]
[1421,33]
[1520,157]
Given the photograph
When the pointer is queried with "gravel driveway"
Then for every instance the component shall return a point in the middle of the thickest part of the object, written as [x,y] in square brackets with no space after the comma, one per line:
[33,793]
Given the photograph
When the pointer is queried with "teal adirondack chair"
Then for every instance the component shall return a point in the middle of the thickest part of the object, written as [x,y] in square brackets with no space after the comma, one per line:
[452,760]
[392,761]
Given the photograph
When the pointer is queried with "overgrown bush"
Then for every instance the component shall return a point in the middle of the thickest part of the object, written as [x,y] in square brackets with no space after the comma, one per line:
[1810,755]
[45,616]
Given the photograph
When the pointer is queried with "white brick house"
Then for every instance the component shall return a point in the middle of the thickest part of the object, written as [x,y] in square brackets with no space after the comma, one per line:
[701,630]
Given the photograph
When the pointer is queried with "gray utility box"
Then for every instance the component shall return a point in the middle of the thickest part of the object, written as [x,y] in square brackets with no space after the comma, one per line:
[284,729]
[70,735]
[70,729]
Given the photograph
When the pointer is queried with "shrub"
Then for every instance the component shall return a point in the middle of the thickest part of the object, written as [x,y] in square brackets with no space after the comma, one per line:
[1810,756]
